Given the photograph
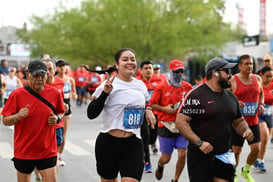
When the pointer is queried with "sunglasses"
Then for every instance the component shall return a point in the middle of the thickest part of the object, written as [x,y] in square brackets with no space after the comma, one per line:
[179,71]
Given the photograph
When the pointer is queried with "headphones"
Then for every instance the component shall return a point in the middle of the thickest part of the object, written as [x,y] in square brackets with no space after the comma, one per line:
[216,74]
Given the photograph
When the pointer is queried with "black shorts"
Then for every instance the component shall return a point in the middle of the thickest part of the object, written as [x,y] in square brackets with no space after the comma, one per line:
[69,112]
[124,155]
[202,168]
[27,166]
[238,140]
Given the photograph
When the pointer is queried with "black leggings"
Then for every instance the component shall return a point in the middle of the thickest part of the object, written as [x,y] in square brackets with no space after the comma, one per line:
[145,135]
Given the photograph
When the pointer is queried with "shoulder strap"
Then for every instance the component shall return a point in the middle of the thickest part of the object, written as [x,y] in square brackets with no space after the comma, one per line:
[27,87]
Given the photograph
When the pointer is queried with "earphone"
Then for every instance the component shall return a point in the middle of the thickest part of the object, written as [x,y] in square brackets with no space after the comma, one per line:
[216,74]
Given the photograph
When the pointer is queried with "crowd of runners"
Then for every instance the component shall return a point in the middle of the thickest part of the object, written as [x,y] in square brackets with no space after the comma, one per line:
[140,106]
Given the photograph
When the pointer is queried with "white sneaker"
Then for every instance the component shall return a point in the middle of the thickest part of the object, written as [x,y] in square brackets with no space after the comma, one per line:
[61,162]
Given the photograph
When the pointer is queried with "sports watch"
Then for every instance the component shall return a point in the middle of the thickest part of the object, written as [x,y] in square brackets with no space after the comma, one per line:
[199,143]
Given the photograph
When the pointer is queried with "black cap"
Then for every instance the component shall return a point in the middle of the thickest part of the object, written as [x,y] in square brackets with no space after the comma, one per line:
[217,63]
[61,62]
[36,67]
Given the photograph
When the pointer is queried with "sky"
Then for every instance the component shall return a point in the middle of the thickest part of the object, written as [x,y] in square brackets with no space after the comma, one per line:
[16,12]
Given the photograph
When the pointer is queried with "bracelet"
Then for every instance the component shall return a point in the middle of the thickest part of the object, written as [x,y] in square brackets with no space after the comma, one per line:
[261,104]
[14,118]
[149,108]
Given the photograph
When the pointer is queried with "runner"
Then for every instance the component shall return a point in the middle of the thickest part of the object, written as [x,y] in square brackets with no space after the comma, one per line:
[265,119]
[121,99]
[151,81]
[69,90]
[249,91]
[166,99]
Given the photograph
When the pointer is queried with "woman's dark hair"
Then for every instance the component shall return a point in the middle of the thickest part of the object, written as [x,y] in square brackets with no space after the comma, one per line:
[118,54]
[263,70]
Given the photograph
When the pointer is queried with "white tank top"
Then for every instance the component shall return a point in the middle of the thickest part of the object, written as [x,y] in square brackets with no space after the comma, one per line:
[11,85]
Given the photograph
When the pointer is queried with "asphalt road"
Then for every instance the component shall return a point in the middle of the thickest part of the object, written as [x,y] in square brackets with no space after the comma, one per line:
[80,159]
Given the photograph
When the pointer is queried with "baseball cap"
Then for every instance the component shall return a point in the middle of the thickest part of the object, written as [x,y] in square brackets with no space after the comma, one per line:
[217,63]
[176,64]
[156,66]
[267,57]
[61,62]
[36,67]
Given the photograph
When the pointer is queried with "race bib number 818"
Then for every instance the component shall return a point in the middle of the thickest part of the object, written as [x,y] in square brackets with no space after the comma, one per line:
[133,117]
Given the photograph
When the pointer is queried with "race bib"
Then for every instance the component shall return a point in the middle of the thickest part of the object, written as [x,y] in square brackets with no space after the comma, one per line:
[268,110]
[8,92]
[150,92]
[67,87]
[133,117]
[250,109]
[228,158]
[94,79]
[81,79]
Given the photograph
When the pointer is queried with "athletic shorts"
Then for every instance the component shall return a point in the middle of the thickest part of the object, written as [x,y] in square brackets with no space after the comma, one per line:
[168,144]
[69,112]
[202,167]
[81,91]
[238,140]
[119,155]
[267,119]
[27,166]
[60,136]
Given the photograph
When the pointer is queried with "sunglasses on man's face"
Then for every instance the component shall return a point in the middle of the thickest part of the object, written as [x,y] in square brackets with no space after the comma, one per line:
[179,71]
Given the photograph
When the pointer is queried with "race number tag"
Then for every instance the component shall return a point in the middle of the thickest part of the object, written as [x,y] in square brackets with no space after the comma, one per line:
[133,117]
[81,79]
[250,109]
[150,92]
[228,158]
[268,110]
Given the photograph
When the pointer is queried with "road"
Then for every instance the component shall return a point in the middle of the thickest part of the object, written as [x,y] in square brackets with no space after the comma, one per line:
[80,159]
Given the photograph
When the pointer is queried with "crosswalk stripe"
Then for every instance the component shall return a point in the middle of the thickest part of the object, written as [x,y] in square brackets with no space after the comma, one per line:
[75,150]
[90,142]
[6,150]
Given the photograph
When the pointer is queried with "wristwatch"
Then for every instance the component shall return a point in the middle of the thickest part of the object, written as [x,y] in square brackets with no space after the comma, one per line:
[199,143]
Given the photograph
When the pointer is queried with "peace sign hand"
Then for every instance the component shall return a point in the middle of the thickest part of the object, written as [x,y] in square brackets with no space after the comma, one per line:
[108,84]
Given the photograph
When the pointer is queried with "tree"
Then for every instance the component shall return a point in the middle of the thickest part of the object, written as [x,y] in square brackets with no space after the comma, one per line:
[157,30]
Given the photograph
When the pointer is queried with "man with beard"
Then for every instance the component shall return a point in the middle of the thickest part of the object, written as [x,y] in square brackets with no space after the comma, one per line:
[166,99]
[206,118]
[249,91]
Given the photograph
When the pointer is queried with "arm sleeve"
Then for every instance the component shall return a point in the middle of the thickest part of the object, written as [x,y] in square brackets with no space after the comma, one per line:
[96,106]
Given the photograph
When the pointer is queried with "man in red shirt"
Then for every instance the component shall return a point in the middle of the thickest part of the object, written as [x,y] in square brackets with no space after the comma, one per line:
[151,81]
[166,99]
[57,83]
[35,125]
[249,91]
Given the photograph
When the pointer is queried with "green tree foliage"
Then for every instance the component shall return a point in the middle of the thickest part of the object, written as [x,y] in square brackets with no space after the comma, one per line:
[156,29]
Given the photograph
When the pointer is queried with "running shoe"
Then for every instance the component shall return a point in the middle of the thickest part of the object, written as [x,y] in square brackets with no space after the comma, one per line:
[154,149]
[159,172]
[256,163]
[174,181]
[235,178]
[61,162]
[38,179]
[261,167]
[247,176]
[148,167]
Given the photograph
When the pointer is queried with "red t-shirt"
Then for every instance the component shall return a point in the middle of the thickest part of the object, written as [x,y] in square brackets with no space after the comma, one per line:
[165,94]
[94,81]
[268,94]
[80,78]
[58,84]
[33,137]
[249,94]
